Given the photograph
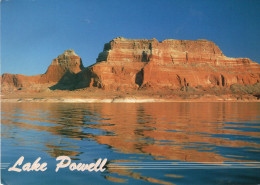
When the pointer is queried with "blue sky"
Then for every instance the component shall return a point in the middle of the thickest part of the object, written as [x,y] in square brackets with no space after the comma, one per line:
[34,32]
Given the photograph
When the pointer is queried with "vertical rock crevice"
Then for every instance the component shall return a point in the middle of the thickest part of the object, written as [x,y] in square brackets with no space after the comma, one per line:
[139,77]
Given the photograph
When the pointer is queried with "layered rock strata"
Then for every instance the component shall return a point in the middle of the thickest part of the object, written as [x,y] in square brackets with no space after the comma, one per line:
[130,64]
[135,63]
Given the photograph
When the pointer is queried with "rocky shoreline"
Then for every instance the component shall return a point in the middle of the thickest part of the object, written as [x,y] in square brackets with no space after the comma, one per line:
[127,99]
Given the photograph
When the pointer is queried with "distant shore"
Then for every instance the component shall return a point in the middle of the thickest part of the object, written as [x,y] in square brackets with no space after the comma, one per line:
[101,96]
[121,100]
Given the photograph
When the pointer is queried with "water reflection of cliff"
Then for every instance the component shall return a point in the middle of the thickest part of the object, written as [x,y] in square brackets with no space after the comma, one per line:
[163,130]
[171,131]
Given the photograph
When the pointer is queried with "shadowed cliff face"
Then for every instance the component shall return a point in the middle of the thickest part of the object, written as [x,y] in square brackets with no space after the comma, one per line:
[128,64]
[68,62]
[61,74]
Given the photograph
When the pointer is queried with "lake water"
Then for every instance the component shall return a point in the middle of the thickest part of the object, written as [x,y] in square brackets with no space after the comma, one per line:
[145,143]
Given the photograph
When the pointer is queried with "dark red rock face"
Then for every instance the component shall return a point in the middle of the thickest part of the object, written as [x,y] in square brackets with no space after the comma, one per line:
[127,64]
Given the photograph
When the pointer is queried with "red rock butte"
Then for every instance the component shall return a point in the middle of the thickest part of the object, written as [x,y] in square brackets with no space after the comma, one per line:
[132,64]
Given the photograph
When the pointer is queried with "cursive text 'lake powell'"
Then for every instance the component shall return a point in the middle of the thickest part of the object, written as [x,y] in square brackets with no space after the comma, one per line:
[139,143]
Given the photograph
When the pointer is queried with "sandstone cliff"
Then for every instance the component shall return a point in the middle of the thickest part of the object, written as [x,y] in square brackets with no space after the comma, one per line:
[62,69]
[132,64]
[127,63]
